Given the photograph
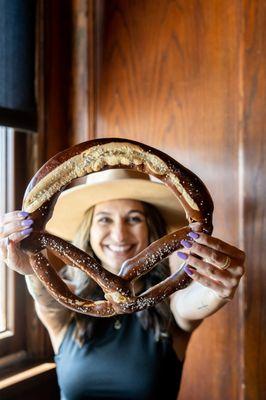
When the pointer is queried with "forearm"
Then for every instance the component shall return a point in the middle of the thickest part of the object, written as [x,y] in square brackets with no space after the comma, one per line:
[39,293]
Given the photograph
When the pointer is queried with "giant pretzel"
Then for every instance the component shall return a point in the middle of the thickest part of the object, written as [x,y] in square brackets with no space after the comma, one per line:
[97,155]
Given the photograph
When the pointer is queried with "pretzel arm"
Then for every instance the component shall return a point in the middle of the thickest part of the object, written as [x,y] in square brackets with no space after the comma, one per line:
[71,254]
[156,294]
[146,260]
[60,291]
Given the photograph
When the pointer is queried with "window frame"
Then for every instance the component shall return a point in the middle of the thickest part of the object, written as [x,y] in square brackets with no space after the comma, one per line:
[27,342]
[12,340]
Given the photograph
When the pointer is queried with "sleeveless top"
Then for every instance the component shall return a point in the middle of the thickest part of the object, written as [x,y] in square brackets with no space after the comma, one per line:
[126,362]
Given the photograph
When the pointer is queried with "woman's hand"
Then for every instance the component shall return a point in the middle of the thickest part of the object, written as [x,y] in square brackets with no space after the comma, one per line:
[14,227]
[216,268]
[213,263]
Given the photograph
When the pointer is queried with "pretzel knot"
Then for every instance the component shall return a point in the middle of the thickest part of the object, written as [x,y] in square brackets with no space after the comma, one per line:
[92,156]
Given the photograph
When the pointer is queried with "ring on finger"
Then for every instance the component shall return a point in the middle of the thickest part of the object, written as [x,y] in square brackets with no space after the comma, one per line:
[226,264]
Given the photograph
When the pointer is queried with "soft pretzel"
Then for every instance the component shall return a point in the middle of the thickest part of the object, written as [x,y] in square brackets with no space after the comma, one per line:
[92,156]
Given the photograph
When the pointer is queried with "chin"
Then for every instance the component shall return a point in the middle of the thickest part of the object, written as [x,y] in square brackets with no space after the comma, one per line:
[114,269]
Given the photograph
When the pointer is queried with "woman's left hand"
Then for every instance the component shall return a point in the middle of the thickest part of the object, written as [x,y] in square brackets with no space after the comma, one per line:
[213,263]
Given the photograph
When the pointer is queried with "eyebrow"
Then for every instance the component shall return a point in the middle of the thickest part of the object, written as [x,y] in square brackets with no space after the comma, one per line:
[131,211]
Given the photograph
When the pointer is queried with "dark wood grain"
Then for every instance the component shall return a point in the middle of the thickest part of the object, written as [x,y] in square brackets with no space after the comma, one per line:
[254,149]
[169,76]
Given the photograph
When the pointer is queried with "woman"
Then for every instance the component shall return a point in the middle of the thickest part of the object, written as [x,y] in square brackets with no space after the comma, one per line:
[134,356]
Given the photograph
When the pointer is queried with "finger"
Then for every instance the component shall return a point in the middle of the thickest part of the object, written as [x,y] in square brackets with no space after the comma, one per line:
[214,256]
[13,215]
[15,226]
[217,244]
[212,272]
[3,248]
[18,236]
[221,291]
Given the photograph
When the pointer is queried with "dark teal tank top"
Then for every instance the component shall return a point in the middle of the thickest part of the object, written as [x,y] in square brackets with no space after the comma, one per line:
[124,363]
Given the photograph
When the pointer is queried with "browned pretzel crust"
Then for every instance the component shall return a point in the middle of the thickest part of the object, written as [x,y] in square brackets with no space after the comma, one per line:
[97,155]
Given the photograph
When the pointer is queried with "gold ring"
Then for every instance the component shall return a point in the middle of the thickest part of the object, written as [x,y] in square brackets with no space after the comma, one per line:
[226,264]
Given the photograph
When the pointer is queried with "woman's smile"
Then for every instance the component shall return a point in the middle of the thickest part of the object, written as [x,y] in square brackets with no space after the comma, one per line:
[119,249]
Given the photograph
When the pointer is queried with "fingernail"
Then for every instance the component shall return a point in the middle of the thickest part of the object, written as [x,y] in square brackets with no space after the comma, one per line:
[193,235]
[27,222]
[26,231]
[188,270]
[186,244]
[182,255]
[23,214]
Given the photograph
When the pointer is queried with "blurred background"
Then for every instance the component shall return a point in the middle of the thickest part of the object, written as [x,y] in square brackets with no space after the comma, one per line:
[187,77]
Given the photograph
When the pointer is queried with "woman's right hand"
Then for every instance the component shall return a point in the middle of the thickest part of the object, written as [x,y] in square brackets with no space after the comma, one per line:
[14,227]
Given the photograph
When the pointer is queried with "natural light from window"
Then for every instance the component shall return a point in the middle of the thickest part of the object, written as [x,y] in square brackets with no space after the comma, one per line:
[3,197]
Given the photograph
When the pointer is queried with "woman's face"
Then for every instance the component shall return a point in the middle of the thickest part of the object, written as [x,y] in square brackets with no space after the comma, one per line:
[118,232]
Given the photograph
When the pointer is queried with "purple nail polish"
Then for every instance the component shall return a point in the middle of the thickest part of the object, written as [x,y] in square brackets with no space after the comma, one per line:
[27,222]
[26,231]
[182,255]
[186,244]
[189,271]
[193,235]
[23,214]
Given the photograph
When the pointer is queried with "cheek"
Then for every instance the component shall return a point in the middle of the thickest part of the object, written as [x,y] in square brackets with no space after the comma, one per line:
[96,236]
[143,236]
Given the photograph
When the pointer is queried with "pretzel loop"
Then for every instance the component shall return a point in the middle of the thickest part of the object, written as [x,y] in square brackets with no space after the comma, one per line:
[92,156]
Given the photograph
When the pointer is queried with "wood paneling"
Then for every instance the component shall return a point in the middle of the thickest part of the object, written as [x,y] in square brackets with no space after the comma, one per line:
[254,191]
[185,77]
[65,74]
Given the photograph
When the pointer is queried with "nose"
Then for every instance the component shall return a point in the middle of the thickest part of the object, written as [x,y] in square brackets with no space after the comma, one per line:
[119,232]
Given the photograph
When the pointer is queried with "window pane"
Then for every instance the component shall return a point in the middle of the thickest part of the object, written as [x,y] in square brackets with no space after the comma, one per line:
[3,207]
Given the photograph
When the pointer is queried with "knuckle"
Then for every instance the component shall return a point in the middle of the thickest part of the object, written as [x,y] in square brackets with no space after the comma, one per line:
[206,238]
[196,247]
[239,271]
[226,293]
[215,256]
[211,269]
[234,282]
[219,245]
[206,282]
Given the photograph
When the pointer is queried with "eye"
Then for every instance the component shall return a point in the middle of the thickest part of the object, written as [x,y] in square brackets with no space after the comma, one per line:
[135,219]
[104,220]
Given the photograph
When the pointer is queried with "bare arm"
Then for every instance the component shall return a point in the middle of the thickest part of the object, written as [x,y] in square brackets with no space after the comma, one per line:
[52,314]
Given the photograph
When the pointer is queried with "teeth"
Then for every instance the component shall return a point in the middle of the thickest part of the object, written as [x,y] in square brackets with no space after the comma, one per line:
[119,249]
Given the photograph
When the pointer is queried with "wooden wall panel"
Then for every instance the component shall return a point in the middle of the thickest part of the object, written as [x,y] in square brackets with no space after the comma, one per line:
[65,65]
[254,149]
[180,76]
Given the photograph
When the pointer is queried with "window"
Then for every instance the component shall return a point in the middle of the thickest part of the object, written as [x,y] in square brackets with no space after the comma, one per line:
[17,113]
[11,336]
[3,274]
